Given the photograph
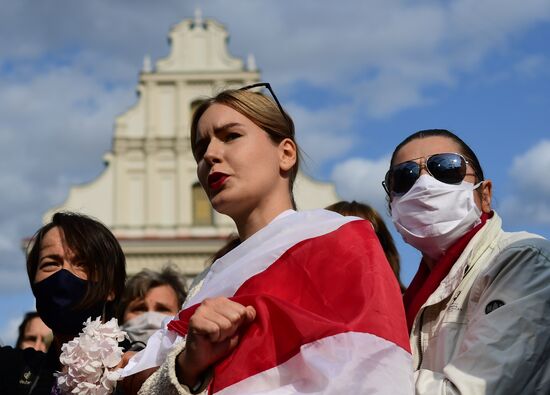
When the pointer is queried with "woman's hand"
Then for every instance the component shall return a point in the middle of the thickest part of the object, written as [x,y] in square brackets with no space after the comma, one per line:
[213,333]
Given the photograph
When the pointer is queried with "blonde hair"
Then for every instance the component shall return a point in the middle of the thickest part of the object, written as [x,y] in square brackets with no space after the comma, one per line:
[262,111]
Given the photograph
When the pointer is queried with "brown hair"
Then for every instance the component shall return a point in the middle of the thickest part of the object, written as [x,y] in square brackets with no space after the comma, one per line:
[365,211]
[466,150]
[95,246]
[31,315]
[140,283]
[262,111]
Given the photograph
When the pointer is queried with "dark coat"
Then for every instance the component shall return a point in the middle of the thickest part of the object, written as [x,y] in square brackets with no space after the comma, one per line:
[26,372]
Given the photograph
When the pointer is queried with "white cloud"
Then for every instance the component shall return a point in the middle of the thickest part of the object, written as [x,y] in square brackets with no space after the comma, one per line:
[322,134]
[395,50]
[530,201]
[14,279]
[9,332]
[67,71]
[531,66]
[54,128]
[10,324]
[530,170]
[6,244]
[360,179]
[519,211]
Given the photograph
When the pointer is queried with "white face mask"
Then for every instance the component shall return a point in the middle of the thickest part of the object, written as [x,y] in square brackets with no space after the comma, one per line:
[433,215]
[140,328]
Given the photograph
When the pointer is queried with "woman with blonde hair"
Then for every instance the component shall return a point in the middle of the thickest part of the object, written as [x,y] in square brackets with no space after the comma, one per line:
[306,301]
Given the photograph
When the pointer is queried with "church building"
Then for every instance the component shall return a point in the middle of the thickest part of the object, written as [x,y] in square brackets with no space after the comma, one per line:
[148,194]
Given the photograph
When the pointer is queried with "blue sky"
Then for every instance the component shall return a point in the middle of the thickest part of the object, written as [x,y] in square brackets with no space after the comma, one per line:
[358,76]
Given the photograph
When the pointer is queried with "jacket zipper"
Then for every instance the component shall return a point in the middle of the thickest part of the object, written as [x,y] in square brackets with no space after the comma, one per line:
[420,356]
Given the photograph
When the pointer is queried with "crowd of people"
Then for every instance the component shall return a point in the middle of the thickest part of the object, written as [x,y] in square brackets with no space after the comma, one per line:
[305,301]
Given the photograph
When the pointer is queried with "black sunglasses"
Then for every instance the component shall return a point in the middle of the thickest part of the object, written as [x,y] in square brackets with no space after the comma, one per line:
[267,85]
[448,167]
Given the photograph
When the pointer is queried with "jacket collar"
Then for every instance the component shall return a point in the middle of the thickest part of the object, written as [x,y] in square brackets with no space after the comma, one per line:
[477,247]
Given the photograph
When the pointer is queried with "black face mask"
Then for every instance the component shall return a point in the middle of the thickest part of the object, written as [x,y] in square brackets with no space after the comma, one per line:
[56,297]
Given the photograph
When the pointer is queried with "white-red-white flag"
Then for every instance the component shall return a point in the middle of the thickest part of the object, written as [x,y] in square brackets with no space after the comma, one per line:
[329,314]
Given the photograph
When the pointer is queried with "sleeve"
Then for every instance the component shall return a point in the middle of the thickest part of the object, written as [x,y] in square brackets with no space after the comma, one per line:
[165,381]
[505,346]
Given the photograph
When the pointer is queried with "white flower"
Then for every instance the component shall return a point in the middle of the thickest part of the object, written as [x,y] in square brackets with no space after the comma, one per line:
[88,358]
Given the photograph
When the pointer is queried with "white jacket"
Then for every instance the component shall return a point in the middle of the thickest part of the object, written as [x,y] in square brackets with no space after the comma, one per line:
[486,328]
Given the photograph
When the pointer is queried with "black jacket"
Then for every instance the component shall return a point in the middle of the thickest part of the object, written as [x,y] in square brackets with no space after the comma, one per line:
[26,372]
[31,372]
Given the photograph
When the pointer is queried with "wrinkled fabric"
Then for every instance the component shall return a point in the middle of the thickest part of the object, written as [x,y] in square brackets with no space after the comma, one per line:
[486,328]
[283,336]
[426,281]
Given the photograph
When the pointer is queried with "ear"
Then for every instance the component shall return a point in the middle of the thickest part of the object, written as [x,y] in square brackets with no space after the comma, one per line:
[287,154]
[486,196]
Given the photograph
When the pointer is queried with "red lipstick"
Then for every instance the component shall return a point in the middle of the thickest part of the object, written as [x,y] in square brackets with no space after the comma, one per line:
[216,180]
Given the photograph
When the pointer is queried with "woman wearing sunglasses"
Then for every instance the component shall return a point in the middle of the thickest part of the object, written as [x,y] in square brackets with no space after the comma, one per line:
[306,303]
[478,308]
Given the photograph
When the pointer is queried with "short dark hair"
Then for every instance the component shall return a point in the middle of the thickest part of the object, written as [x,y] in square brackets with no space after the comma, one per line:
[365,211]
[94,245]
[466,150]
[140,283]
[28,317]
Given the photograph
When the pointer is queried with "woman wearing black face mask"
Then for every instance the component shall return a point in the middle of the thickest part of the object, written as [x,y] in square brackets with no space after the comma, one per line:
[77,271]
[478,308]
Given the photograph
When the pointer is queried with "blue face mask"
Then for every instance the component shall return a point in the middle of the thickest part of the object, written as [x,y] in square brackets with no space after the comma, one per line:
[56,297]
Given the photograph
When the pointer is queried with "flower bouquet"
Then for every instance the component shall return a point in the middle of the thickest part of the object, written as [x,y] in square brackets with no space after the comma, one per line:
[89,359]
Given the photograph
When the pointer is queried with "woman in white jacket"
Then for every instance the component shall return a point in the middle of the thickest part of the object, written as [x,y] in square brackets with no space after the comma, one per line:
[478,309]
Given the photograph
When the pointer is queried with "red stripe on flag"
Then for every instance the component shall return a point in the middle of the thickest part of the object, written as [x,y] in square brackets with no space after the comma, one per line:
[331,284]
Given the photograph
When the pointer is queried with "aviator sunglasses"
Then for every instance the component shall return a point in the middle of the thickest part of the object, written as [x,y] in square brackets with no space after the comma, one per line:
[448,167]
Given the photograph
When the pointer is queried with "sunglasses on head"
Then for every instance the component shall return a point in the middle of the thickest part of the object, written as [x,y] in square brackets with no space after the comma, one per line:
[266,85]
[448,167]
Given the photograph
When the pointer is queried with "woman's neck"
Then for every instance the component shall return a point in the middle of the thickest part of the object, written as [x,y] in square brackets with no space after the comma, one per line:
[258,218]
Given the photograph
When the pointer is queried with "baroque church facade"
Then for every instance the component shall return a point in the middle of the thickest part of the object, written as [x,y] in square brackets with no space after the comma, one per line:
[148,194]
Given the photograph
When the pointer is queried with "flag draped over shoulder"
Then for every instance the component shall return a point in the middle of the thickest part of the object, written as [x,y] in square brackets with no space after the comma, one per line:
[329,314]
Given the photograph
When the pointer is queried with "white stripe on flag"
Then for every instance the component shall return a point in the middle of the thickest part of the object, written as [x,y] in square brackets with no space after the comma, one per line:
[229,272]
[347,363]
[263,248]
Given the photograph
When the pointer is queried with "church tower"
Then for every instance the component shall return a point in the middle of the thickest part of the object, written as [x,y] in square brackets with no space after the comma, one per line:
[149,194]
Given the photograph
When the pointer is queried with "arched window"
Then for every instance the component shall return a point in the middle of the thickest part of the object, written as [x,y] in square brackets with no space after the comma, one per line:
[202,210]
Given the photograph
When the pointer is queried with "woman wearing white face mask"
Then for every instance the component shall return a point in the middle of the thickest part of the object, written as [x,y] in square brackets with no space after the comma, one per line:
[150,298]
[478,308]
